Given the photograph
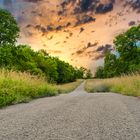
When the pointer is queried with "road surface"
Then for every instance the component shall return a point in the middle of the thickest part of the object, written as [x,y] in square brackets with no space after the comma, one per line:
[74,116]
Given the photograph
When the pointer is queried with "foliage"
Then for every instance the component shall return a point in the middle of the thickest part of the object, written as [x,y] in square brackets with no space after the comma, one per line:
[127,85]
[68,87]
[23,58]
[19,87]
[88,74]
[100,72]
[129,59]
[9,30]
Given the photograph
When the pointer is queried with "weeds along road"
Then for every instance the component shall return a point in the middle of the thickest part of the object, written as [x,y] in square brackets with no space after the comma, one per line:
[75,116]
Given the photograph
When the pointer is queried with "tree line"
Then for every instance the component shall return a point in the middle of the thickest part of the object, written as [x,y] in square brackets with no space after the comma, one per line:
[23,58]
[127,46]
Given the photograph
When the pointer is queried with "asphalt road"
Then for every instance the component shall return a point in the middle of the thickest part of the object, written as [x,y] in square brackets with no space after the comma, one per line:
[75,116]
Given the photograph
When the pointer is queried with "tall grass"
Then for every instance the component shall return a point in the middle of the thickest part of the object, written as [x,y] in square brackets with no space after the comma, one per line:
[66,88]
[17,87]
[127,85]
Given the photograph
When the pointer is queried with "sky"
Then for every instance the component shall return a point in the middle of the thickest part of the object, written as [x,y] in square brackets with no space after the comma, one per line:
[66,43]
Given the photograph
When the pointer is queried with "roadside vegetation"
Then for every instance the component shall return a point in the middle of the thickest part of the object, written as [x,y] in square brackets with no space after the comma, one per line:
[126,56]
[23,58]
[66,88]
[26,74]
[21,87]
[17,87]
[126,85]
[122,63]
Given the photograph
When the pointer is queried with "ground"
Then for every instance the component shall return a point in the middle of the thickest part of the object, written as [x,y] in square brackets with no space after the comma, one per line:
[75,116]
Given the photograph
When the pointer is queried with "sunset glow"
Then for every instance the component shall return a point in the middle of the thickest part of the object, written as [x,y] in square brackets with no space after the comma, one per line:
[46,25]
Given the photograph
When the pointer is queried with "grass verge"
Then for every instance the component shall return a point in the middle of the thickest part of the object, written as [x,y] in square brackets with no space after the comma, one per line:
[66,88]
[127,85]
[17,87]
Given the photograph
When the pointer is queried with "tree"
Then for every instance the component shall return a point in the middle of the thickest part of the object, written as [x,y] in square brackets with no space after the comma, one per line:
[127,45]
[88,74]
[110,65]
[6,57]
[23,58]
[9,31]
[100,72]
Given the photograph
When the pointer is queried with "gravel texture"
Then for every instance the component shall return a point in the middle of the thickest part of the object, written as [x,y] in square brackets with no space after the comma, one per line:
[74,116]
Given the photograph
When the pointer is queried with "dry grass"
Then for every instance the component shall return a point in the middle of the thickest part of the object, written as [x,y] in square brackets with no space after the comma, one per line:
[17,87]
[66,88]
[127,85]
